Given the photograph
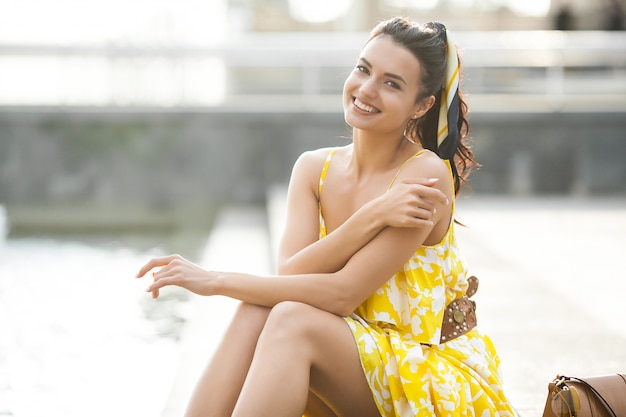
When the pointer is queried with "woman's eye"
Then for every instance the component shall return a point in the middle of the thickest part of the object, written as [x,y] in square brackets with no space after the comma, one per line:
[393,84]
[363,69]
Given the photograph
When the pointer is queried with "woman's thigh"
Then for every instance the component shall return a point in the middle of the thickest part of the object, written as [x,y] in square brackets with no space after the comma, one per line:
[336,375]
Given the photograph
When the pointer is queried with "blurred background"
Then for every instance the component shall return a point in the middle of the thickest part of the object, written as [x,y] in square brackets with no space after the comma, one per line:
[126,127]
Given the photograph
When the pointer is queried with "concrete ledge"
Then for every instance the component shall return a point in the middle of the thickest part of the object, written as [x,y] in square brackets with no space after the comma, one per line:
[238,242]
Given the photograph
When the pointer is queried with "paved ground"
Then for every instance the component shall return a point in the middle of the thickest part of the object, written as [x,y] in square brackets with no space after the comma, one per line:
[552,282]
[551,286]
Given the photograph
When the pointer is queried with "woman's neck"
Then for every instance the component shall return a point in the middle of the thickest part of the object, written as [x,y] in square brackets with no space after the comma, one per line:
[377,153]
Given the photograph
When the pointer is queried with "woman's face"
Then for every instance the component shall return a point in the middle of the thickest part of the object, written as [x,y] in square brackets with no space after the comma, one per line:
[380,93]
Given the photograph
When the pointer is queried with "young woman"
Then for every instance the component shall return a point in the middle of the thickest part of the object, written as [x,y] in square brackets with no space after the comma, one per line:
[369,270]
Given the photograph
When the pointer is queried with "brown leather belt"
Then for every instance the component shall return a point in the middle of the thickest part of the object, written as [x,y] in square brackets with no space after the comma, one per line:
[460,315]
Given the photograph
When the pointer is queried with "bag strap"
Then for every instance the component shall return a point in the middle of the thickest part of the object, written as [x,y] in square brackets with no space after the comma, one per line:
[604,402]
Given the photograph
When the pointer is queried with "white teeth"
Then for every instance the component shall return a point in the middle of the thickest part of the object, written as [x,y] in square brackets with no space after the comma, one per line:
[364,106]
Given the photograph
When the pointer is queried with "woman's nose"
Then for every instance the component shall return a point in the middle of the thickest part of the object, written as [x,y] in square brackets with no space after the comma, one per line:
[369,88]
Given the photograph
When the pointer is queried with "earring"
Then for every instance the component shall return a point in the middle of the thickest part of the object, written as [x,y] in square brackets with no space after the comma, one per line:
[405,132]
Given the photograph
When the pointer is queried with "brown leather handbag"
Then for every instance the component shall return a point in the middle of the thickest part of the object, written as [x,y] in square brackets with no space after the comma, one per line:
[597,396]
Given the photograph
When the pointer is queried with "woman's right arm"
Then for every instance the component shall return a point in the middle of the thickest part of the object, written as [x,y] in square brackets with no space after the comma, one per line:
[409,204]
[339,292]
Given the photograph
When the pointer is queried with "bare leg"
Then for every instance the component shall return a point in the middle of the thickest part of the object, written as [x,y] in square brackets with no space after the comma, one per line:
[302,346]
[219,386]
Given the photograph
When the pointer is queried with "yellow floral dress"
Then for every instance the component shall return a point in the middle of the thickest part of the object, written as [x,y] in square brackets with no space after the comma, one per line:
[398,328]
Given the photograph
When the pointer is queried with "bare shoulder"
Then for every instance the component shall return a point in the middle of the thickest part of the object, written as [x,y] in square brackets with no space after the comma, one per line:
[313,157]
[427,165]
[311,162]
[307,169]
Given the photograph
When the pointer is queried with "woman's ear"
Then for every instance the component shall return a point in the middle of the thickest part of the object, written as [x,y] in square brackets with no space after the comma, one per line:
[423,106]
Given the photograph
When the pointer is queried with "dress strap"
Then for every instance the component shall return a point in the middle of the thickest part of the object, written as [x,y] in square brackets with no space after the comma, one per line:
[395,177]
[322,232]
[324,170]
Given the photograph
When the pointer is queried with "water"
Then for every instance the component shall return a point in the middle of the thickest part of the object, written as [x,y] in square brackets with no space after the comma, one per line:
[79,336]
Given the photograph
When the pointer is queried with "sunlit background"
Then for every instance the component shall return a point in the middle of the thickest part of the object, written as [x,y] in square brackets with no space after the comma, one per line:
[134,128]
[164,53]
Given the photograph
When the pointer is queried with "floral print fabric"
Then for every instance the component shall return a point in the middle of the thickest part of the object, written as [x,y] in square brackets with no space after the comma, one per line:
[397,331]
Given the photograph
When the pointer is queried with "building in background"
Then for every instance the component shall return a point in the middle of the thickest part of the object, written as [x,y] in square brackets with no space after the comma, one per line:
[360,15]
[172,53]
[147,102]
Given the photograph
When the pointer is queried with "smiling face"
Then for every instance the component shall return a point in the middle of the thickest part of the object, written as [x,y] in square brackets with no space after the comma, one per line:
[380,93]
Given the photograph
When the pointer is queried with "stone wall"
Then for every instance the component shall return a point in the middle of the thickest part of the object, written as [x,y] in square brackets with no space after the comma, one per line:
[169,158]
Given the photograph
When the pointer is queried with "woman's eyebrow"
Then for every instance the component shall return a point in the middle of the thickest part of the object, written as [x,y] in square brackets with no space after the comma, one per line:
[387,74]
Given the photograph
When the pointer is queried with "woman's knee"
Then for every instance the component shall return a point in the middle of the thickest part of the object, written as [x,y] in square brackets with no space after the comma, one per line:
[288,313]
[289,321]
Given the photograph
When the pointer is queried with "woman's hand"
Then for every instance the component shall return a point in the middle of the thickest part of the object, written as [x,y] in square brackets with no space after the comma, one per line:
[409,203]
[176,270]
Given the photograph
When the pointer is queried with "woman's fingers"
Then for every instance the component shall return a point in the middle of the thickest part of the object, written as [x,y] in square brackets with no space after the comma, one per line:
[165,276]
[425,189]
[419,222]
[155,263]
[155,291]
[414,202]
[176,270]
[158,283]
[158,262]
[429,182]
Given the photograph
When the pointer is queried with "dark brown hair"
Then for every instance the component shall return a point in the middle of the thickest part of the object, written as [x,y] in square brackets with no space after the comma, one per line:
[427,42]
